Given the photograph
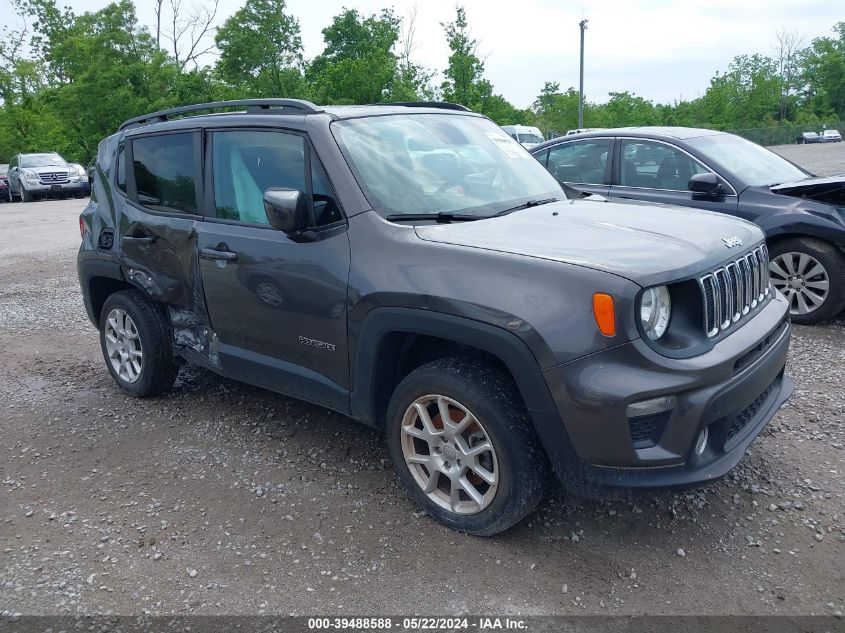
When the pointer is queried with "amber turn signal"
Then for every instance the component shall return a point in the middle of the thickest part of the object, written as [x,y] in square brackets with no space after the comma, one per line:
[604,313]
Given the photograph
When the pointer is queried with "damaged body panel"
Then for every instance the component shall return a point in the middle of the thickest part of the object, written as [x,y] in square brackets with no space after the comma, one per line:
[828,190]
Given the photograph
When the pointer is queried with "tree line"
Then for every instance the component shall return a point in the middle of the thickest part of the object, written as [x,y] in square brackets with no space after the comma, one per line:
[67,80]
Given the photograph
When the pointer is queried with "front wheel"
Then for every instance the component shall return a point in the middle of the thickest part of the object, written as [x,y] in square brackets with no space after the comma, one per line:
[463,445]
[25,195]
[811,275]
[137,343]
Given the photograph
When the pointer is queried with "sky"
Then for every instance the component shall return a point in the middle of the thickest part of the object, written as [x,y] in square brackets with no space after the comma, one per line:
[661,50]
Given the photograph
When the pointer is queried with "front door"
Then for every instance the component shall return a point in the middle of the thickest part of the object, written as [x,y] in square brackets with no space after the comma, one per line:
[277,304]
[653,171]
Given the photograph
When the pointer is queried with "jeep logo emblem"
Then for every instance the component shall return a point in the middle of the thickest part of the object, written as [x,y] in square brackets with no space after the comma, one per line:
[732,241]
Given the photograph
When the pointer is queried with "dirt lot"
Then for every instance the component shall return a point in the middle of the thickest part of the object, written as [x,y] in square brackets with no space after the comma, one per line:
[222,498]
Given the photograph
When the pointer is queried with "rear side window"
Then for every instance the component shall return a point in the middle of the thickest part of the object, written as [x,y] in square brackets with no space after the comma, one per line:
[164,168]
[580,161]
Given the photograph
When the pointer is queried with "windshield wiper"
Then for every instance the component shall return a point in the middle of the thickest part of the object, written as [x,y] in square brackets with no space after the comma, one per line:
[442,217]
[526,205]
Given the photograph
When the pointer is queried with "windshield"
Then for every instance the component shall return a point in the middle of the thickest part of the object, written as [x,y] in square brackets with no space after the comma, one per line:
[747,161]
[530,138]
[440,163]
[42,160]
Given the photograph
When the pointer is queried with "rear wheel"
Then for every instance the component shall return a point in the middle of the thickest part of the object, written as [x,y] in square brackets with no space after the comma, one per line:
[136,341]
[464,447]
[811,275]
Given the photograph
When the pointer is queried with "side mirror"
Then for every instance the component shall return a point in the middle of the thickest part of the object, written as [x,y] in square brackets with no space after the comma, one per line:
[286,209]
[707,184]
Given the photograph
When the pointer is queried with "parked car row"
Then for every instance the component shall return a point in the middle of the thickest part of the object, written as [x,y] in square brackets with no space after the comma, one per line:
[828,136]
[801,214]
[32,176]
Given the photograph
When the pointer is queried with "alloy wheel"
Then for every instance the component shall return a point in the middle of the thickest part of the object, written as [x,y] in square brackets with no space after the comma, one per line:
[449,454]
[123,345]
[802,279]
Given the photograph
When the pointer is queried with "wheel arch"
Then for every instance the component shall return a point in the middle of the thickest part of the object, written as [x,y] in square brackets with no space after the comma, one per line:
[378,343]
[392,342]
[99,279]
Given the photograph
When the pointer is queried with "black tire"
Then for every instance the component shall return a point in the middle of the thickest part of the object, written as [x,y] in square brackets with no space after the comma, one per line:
[158,369]
[833,261]
[492,397]
[25,195]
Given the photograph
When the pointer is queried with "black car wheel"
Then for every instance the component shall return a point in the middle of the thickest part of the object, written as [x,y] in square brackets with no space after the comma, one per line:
[811,275]
[25,195]
[136,341]
[464,447]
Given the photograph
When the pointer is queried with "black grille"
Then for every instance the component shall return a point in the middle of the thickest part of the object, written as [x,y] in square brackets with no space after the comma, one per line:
[741,419]
[647,429]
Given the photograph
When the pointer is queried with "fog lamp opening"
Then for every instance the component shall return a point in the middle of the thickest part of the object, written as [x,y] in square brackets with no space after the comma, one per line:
[701,442]
[651,406]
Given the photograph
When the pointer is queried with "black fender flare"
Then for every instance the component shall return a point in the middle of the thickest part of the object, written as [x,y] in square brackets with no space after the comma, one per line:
[92,267]
[366,338]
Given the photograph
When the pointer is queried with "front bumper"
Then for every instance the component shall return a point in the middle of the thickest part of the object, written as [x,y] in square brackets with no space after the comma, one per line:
[733,390]
[41,188]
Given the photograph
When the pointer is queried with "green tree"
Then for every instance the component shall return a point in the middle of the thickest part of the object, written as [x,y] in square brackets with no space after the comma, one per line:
[358,64]
[623,109]
[261,51]
[823,75]
[464,81]
[555,112]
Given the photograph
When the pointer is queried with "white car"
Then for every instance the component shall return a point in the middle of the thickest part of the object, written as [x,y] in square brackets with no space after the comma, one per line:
[525,135]
[831,136]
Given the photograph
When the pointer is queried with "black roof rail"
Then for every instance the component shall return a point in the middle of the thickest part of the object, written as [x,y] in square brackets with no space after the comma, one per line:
[253,106]
[443,105]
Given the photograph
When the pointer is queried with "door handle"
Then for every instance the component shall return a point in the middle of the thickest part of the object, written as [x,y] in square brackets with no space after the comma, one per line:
[146,239]
[214,254]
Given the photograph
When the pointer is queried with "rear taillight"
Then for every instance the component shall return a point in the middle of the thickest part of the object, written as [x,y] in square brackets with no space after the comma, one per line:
[82,227]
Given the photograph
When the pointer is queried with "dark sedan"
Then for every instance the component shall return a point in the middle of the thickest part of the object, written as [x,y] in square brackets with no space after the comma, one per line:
[5,194]
[803,216]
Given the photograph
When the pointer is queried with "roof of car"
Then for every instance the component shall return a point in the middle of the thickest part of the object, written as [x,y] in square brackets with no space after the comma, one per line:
[290,107]
[653,131]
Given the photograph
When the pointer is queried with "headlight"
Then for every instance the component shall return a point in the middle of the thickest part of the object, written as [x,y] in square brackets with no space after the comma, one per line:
[655,311]
[30,175]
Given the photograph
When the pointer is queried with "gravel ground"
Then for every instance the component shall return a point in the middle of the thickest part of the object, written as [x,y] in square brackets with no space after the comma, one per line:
[223,498]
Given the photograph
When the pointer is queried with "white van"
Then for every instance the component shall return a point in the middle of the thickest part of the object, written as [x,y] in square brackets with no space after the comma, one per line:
[526,135]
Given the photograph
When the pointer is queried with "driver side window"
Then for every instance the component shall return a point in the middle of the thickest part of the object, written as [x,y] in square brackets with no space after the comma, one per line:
[580,162]
[247,163]
[653,165]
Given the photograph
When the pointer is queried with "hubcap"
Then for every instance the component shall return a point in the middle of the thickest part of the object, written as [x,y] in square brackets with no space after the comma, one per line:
[802,279]
[123,345]
[449,454]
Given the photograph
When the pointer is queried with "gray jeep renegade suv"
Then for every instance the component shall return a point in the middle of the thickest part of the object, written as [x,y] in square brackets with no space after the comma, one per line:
[412,267]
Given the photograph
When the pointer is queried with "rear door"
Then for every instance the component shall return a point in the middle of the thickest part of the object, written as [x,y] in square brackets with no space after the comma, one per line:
[647,170]
[276,302]
[584,164]
[156,194]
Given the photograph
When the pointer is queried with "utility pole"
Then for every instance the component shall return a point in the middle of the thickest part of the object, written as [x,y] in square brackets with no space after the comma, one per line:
[583,25]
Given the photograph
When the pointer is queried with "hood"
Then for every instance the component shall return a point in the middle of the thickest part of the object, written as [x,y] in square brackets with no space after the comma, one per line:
[827,189]
[647,244]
